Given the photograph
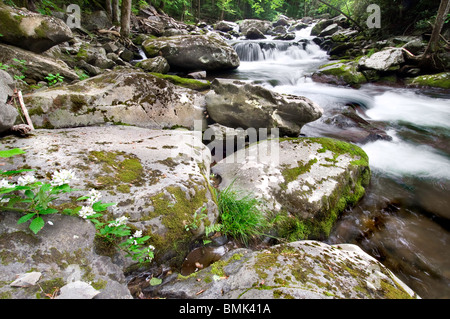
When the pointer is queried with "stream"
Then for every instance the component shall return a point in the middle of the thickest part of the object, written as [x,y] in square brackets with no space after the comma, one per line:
[404,218]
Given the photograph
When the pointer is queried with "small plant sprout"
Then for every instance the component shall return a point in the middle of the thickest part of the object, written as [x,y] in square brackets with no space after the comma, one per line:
[53,79]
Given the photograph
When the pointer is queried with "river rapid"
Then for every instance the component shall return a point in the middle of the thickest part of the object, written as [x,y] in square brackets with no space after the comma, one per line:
[404,218]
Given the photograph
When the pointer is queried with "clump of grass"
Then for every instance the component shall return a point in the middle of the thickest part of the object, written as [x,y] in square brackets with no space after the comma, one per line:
[241,215]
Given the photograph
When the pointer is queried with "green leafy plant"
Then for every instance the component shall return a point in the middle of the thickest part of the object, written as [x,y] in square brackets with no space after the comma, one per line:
[4,66]
[35,199]
[198,217]
[52,79]
[241,215]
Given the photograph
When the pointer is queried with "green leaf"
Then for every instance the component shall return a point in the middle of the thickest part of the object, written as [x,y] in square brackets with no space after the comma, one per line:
[29,194]
[37,224]
[10,153]
[25,218]
[155,281]
[8,173]
[99,206]
[48,211]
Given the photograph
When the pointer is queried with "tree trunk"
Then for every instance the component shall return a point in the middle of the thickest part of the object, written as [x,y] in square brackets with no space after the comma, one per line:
[115,12]
[108,7]
[429,60]
[440,20]
[125,18]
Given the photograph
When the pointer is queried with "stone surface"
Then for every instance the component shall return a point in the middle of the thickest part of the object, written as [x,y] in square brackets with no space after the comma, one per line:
[193,52]
[30,30]
[127,96]
[298,270]
[382,60]
[37,66]
[158,179]
[157,64]
[237,104]
[261,25]
[26,280]
[310,179]
[77,290]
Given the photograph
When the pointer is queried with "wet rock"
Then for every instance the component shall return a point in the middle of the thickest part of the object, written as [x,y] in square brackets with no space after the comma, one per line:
[330,30]
[440,80]
[339,73]
[236,104]
[320,26]
[127,96]
[31,31]
[194,52]
[298,270]
[254,34]
[225,26]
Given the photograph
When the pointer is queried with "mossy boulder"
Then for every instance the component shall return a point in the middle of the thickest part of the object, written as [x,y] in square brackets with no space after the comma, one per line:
[123,96]
[340,73]
[30,30]
[159,179]
[298,270]
[157,64]
[440,80]
[37,66]
[306,182]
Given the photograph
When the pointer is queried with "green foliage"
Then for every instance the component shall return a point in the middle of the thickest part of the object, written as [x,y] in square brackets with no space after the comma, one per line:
[52,79]
[198,217]
[240,215]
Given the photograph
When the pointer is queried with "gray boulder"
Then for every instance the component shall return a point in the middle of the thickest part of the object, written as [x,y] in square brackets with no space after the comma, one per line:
[262,25]
[383,61]
[126,96]
[30,30]
[311,180]
[157,178]
[225,26]
[320,26]
[157,64]
[62,252]
[330,30]
[298,270]
[236,104]
[8,114]
[37,66]
[254,34]
[193,52]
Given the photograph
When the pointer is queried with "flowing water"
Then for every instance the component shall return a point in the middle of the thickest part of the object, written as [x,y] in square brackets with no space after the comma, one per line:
[404,218]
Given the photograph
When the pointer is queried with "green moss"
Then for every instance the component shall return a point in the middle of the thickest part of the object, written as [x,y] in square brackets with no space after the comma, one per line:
[440,80]
[49,287]
[175,209]
[291,174]
[184,82]
[346,72]
[120,170]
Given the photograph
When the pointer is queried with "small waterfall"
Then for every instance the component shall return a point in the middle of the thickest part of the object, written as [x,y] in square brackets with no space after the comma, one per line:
[252,51]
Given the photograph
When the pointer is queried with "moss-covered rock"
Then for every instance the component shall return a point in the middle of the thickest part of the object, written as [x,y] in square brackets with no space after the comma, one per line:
[440,80]
[306,182]
[340,73]
[123,96]
[299,270]
[159,180]
[30,30]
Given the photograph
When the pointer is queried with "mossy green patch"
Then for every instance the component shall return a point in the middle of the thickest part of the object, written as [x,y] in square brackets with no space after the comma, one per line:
[184,82]
[175,208]
[120,170]
[440,80]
